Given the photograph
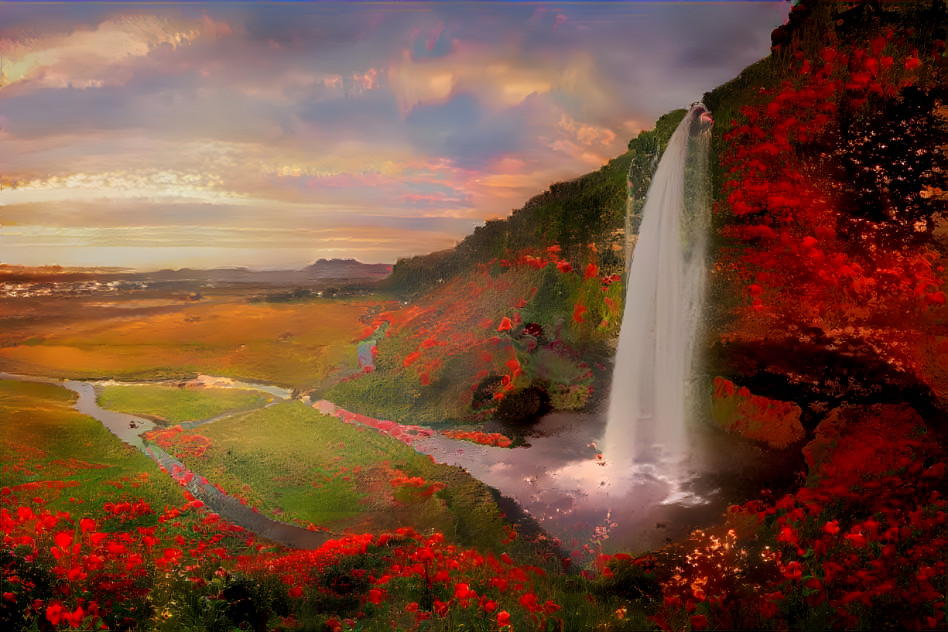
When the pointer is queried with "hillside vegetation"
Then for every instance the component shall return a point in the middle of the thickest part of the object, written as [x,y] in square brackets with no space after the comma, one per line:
[828,339]
[521,316]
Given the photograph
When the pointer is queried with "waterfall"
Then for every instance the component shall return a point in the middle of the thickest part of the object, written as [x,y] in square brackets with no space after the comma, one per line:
[650,402]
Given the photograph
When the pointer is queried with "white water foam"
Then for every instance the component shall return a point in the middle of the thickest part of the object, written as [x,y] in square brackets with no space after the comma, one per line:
[650,403]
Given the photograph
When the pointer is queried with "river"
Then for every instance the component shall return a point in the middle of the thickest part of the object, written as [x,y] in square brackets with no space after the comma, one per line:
[561,480]
[128,428]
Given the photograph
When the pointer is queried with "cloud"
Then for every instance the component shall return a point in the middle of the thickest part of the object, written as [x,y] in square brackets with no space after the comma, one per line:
[145,186]
[585,134]
[422,118]
[92,57]
[467,133]
[336,117]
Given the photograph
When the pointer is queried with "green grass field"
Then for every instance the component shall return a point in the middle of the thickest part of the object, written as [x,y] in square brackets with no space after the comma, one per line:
[46,444]
[312,468]
[177,405]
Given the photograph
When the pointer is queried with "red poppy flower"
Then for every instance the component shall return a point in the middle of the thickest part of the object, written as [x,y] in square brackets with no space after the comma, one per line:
[858,540]
[793,570]
[529,601]
[54,613]
[63,539]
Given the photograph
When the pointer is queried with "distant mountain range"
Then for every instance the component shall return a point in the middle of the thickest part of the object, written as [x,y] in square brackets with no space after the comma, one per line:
[347,269]
[320,272]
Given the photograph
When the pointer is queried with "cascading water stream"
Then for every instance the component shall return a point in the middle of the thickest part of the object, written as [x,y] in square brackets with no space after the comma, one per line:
[649,406]
[627,482]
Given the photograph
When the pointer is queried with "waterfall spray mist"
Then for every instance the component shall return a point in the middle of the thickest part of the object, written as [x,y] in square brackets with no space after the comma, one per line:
[650,403]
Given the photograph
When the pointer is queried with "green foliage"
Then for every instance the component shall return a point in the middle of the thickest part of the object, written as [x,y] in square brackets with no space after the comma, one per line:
[386,393]
[43,438]
[176,405]
[308,468]
[646,150]
[436,353]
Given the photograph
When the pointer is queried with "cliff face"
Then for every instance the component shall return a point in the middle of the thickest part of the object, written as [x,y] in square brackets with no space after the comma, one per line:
[829,275]
[827,174]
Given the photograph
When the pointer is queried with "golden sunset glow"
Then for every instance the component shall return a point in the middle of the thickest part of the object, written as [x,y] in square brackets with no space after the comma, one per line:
[167,135]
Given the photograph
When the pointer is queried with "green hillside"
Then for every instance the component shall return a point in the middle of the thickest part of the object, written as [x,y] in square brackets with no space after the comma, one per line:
[573,214]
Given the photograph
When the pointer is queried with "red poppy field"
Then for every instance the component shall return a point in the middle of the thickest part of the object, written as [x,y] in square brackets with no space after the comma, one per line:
[827,341]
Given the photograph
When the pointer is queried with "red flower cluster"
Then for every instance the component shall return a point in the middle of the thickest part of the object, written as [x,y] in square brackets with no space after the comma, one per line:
[492,439]
[100,579]
[462,582]
[176,441]
[403,432]
[460,322]
[797,265]
[864,542]
[424,488]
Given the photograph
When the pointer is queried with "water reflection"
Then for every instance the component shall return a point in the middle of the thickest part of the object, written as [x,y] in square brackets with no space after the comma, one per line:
[564,483]
[124,426]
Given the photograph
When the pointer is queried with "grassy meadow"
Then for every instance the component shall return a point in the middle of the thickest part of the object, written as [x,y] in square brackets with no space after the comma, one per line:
[99,536]
[44,441]
[172,405]
[832,338]
[298,344]
[297,465]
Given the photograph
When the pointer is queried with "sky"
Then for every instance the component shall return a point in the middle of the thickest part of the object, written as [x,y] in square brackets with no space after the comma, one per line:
[269,135]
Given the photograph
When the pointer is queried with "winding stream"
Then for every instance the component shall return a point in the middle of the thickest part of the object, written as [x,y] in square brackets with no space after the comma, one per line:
[128,428]
[561,480]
